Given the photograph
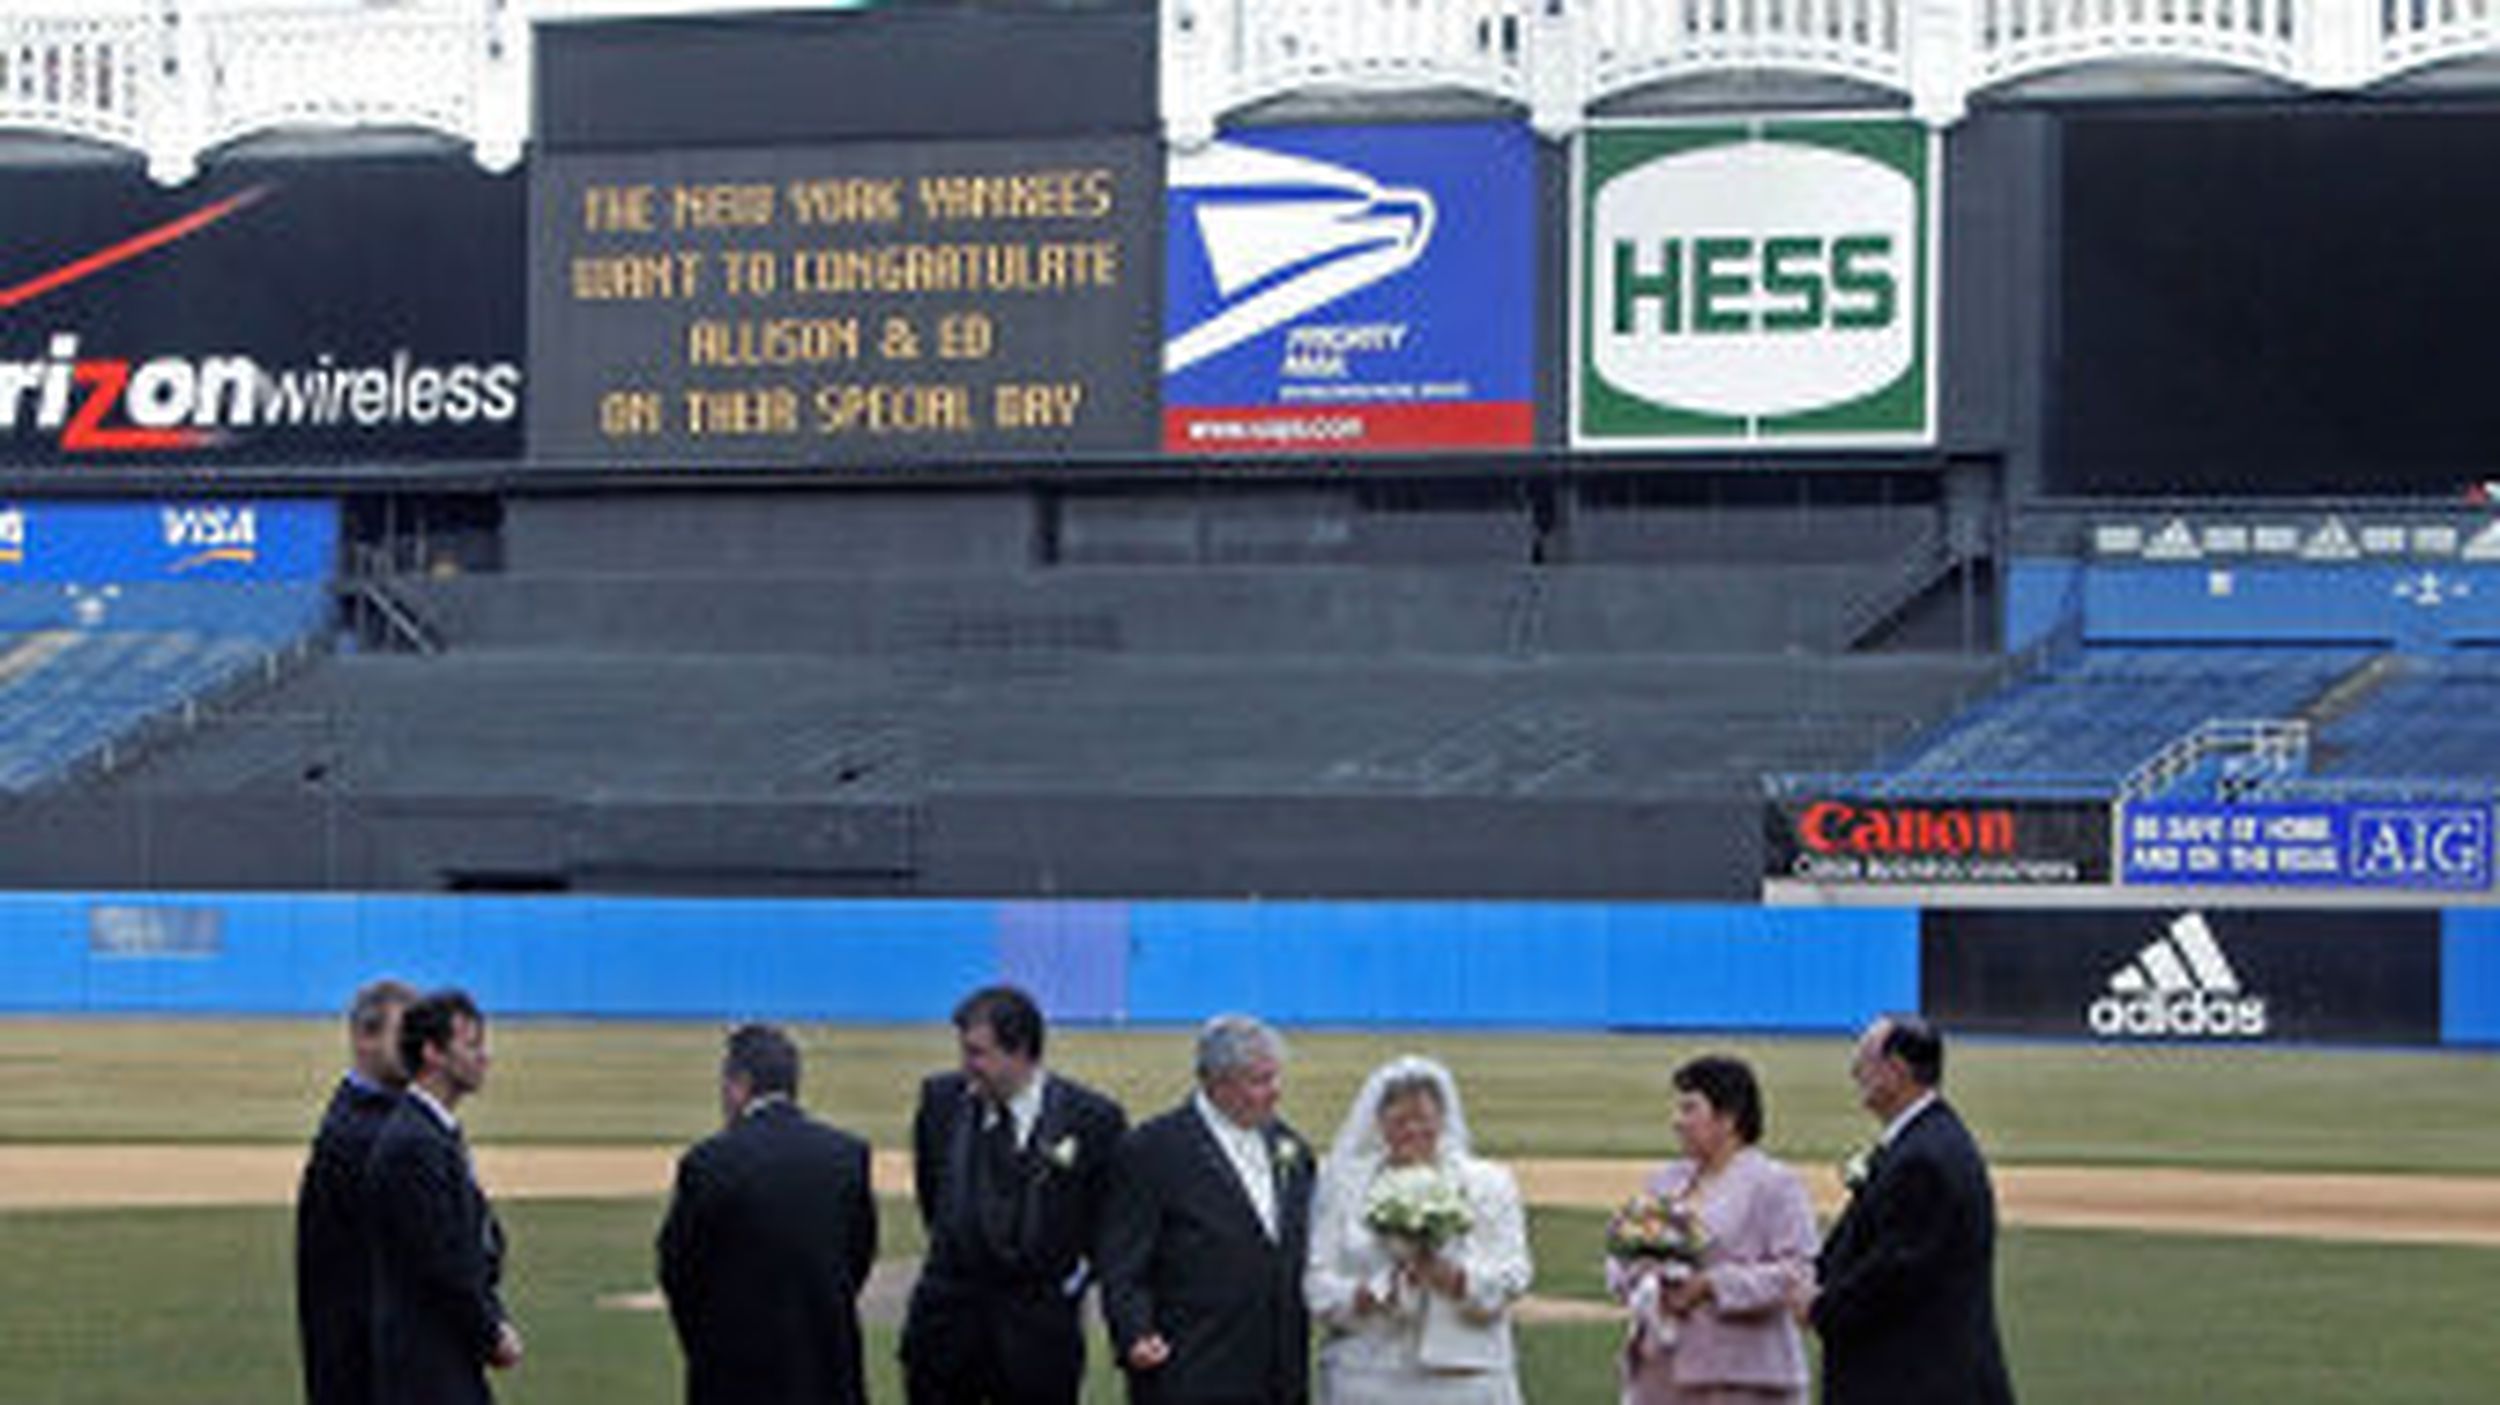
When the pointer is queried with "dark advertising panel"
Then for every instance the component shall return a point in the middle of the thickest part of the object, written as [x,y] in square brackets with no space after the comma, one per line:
[1348,289]
[2298,844]
[1858,839]
[856,305]
[2206,975]
[268,313]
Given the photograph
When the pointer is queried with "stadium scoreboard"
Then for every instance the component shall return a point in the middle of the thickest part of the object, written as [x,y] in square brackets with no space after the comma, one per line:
[859,305]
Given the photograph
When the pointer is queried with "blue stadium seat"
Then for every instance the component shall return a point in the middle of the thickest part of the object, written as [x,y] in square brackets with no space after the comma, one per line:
[84,669]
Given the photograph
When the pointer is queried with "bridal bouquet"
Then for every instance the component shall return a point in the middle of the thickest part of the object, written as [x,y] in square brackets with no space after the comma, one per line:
[1658,1241]
[1655,1229]
[1419,1208]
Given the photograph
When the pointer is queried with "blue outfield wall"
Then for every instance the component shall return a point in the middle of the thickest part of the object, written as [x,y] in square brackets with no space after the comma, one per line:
[1551,965]
[2469,978]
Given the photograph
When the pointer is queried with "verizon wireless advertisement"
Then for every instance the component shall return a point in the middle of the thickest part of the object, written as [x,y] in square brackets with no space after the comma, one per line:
[267,313]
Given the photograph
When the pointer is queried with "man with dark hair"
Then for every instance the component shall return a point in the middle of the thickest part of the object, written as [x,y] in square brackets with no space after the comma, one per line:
[769,1236]
[1011,1164]
[1906,1303]
[333,1233]
[438,1317]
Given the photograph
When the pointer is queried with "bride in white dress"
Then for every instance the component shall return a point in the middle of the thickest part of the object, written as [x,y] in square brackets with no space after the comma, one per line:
[1403,1327]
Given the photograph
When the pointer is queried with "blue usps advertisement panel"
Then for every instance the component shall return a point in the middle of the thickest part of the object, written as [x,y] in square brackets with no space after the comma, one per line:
[1351,289]
[2309,845]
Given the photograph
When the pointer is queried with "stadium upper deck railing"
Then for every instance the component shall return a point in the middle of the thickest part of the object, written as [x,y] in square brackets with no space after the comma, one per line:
[176,78]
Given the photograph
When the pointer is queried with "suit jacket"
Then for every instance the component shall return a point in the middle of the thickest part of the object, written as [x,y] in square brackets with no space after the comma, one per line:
[334,1248]
[1183,1254]
[1037,1275]
[769,1236]
[438,1262]
[1907,1305]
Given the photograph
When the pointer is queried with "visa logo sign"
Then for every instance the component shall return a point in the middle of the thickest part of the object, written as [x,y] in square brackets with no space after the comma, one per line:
[2421,846]
[209,534]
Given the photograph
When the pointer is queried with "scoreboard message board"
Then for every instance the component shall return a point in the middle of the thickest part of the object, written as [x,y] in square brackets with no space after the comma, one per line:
[861,305]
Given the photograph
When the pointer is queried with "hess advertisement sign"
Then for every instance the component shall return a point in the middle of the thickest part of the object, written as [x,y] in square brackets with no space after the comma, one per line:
[1862,840]
[1762,283]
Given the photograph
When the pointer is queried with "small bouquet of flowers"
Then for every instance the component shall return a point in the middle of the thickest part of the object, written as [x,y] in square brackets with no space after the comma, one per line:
[1417,1209]
[1658,1241]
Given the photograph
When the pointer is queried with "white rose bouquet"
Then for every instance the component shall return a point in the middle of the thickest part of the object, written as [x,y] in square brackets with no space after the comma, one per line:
[1416,1208]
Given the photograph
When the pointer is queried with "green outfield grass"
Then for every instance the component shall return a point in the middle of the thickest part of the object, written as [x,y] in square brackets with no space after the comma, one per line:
[141,1307]
[1546,1095]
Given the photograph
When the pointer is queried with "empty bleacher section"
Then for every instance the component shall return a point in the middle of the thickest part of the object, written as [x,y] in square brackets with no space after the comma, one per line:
[2083,723]
[2431,725]
[891,694]
[85,671]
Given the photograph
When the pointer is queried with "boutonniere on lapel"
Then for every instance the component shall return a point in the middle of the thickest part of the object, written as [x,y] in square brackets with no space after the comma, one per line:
[1289,1155]
[1857,1166]
[1061,1154]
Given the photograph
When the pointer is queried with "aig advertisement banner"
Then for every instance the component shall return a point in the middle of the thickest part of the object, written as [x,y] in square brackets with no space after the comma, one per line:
[2208,975]
[1865,840]
[2302,845]
[96,543]
[864,304]
[1347,289]
[273,312]
[1755,284]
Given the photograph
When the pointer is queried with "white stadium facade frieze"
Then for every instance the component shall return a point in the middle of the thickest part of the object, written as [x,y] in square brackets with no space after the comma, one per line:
[174,79]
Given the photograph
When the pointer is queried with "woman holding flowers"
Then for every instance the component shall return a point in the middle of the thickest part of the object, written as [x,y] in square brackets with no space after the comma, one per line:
[1418,1249]
[1712,1255]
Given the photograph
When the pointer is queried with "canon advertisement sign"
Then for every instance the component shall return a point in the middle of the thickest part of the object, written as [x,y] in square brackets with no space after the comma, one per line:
[1860,839]
[2186,975]
[271,312]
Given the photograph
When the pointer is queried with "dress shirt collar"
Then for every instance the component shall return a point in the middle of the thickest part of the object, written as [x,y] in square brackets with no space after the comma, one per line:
[1893,1129]
[441,1114]
[1246,1149]
[1026,1107]
[762,1101]
[356,1079]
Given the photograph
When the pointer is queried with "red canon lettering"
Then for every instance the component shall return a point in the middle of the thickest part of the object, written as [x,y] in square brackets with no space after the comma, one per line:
[1838,827]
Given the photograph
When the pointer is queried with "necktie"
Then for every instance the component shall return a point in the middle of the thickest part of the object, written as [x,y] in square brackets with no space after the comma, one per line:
[999,1187]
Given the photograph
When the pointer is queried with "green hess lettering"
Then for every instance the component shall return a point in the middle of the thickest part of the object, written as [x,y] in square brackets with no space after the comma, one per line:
[1736,284]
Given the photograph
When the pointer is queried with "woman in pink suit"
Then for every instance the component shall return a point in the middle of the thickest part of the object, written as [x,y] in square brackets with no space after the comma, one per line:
[1726,1333]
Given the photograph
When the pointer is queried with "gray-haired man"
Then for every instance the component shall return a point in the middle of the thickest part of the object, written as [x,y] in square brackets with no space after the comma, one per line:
[1202,1247]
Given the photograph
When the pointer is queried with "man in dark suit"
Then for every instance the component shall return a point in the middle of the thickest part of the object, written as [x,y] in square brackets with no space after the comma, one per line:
[769,1236]
[438,1317]
[1906,1303]
[1202,1245]
[1011,1163]
[333,1235]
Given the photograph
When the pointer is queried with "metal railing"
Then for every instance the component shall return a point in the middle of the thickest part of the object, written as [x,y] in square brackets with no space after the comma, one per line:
[2250,750]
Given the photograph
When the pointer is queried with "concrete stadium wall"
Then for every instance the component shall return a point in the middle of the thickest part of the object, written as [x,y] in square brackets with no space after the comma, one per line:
[1540,965]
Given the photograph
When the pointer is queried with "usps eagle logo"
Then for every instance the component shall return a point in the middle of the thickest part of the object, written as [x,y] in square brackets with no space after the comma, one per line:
[1285,235]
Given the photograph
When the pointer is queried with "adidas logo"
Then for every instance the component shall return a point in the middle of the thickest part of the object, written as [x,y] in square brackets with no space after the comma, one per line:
[2179,986]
